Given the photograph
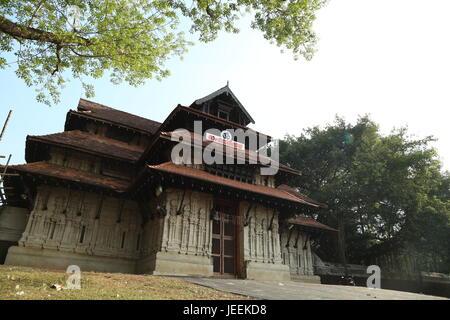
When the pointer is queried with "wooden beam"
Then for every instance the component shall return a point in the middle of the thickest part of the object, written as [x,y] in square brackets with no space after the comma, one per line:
[5,124]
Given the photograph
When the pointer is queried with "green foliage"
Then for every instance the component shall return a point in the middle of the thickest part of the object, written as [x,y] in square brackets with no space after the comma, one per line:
[394,197]
[131,39]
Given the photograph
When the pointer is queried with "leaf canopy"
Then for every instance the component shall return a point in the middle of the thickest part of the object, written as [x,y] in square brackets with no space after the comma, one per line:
[54,40]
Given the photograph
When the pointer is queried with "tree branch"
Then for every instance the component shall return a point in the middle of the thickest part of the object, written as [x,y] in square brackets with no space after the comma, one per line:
[38,7]
[28,33]
[58,57]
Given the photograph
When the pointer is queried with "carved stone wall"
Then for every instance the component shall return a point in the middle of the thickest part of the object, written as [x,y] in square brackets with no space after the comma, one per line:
[83,222]
[296,252]
[261,234]
[187,226]
[174,238]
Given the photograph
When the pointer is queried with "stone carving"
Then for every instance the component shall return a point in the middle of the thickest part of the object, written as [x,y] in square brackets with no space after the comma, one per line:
[260,243]
[92,224]
[297,252]
[68,223]
[187,233]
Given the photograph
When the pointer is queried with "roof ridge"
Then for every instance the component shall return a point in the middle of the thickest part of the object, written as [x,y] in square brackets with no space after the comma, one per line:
[115,109]
[100,105]
[221,91]
[96,110]
[52,134]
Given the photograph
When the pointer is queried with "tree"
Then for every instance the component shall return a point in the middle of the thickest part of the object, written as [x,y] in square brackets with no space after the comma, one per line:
[389,189]
[132,38]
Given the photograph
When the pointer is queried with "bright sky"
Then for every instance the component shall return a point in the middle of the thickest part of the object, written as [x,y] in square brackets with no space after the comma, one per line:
[389,59]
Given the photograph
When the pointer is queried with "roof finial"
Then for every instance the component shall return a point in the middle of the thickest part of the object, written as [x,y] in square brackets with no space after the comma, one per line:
[228,83]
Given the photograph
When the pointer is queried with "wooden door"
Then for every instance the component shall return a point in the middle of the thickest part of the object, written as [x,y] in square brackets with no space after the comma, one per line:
[224,239]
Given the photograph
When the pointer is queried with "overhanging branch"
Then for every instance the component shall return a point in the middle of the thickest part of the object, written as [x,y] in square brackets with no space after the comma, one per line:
[28,33]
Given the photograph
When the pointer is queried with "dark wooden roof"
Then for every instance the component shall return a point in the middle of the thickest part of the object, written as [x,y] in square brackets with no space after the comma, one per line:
[182,113]
[247,155]
[309,222]
[227,123]
[90,109]
[85,142]
[225,90]
[296,193]
[169,167]
[55,171]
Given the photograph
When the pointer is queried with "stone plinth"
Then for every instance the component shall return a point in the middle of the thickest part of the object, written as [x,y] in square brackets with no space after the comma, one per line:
[167,263]
[267,271]
[46,258]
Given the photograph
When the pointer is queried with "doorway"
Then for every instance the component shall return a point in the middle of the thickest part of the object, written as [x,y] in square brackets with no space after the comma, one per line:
[224,244]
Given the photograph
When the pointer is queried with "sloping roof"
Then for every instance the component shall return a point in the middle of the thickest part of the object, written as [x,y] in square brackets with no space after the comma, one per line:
[55,171]
[95,110]
[296,193]
[225,90]
[215,118]
[90,143]
[180,111]
[309,222]
[201,175]
[248,155]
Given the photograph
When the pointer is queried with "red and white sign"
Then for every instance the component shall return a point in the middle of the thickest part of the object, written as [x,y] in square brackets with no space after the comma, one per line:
[228,141]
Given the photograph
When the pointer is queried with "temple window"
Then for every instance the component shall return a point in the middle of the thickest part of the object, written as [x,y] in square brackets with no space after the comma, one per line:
[234,172]
[223,114]
[206,108]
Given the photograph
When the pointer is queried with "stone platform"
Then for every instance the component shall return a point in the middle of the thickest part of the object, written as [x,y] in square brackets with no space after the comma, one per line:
[292,290]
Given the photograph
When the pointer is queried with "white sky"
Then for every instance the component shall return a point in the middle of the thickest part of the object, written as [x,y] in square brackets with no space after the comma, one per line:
[390,59]
[386,58]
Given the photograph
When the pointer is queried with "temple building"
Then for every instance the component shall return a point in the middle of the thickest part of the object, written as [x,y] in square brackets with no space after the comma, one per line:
[106,194]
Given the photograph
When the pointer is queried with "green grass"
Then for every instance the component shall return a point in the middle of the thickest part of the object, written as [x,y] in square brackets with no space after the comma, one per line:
[36,283]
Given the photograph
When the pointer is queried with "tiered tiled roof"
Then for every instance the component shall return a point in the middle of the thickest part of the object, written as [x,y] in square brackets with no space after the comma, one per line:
[89,143]
[246,155]
[296,193]
[110,148]
[169,167]
[55,171]
[309,222]
[95,110]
